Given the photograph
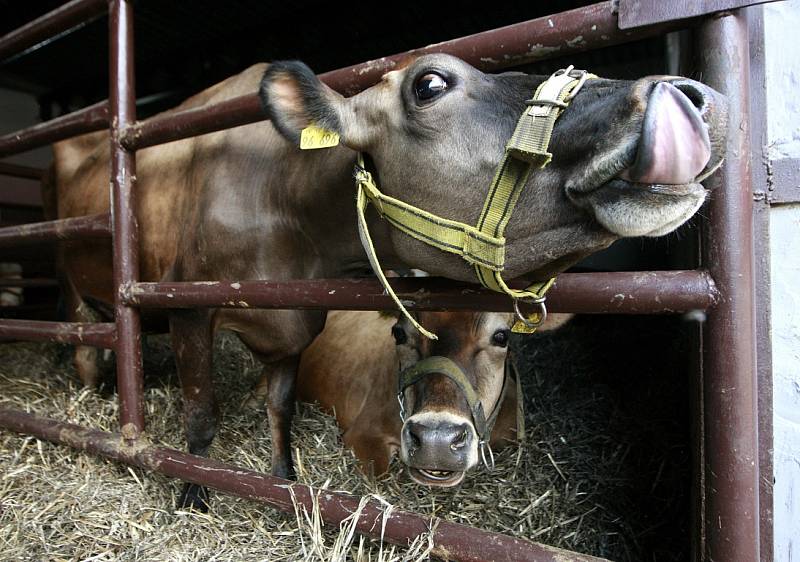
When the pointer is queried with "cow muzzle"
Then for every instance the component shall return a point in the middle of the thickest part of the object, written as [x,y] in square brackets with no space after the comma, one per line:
[438,448]
[675,148]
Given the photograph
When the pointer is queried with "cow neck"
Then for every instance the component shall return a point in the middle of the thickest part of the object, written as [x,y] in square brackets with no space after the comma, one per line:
[483,246]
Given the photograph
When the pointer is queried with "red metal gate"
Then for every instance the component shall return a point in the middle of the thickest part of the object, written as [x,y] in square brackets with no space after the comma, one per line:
[728,526]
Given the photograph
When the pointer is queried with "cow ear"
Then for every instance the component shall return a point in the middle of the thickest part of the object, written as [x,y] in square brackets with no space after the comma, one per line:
[293,98]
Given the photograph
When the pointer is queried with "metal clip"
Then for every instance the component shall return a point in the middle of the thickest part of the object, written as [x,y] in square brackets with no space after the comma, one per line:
[484,446]
[401,401]
[542,313]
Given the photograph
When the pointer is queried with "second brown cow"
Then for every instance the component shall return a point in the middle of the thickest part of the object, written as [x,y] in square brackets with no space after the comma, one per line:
[352,371]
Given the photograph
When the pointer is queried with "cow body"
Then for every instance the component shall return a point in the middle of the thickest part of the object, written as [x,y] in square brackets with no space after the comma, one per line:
[245,203]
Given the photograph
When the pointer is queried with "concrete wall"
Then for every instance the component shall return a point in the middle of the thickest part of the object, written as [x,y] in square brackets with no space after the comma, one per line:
[782,53]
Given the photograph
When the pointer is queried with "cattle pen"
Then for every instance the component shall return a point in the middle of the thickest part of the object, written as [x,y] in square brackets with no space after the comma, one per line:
[732,511]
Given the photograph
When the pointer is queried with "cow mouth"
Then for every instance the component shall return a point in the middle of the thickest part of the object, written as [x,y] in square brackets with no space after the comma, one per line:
[671,155]
[431,477]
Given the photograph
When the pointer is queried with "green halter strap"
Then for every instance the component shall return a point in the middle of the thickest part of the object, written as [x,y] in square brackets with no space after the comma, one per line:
[483,245]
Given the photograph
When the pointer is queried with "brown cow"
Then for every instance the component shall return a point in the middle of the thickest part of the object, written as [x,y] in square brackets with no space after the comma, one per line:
[352,369]
[245,203]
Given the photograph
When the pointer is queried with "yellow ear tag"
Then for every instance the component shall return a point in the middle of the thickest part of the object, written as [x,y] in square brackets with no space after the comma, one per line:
[314,137]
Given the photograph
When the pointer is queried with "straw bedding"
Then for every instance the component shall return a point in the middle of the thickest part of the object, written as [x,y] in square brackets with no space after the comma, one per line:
[603,469]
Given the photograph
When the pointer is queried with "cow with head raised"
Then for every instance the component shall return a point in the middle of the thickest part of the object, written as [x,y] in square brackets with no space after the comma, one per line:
[246,203]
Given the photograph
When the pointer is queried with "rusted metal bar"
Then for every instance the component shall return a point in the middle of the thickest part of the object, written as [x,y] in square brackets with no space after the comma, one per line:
[176,125]
[18,171]
[651,292]
[97,334]
[90,226]
[573,31]
[55,23]
[730,390]
[92,118]
[122,106]
[452,541]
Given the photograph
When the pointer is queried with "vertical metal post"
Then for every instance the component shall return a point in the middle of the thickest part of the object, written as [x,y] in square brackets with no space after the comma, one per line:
[122,102]
[730,383]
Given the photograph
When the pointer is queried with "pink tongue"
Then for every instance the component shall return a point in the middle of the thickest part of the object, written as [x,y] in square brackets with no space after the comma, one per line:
[674,148]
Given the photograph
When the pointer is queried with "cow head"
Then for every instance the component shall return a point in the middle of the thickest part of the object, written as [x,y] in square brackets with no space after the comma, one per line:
[627,155]
[439,441]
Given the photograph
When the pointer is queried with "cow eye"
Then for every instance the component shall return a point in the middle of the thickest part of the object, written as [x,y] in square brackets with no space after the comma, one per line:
[400,336]
[500,338]
[429,86]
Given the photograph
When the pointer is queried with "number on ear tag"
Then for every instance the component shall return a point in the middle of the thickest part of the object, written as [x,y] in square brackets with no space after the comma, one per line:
[314,137]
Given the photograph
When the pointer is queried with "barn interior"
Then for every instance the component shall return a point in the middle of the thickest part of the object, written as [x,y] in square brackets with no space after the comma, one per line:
[608,398]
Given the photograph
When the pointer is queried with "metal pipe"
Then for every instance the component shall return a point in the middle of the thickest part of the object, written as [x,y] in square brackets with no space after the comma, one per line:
[97,334]
[573,31]
[730,383]
[122,106]
[651,292]
[177,125]
[18,171]
[90,226]
[86,120]
[55,23]
[452,541]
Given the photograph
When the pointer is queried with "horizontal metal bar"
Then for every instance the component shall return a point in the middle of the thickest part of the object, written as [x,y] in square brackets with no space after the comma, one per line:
[30,282]
[97,334]
[653,292]
[18,171]
[86,120]
[573,31]
[90,226]
[70,15]
[176,125]
[452,541]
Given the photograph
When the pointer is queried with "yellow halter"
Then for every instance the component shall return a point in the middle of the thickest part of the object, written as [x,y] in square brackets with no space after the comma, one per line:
[483,245]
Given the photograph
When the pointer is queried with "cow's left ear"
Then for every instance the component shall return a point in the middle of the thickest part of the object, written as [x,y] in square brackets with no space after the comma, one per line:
[294,98]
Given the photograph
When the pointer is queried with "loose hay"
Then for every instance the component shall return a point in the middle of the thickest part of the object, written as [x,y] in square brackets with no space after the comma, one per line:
[602,471]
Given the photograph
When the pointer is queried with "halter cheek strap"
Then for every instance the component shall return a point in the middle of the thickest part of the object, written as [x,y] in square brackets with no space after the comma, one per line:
[483,245]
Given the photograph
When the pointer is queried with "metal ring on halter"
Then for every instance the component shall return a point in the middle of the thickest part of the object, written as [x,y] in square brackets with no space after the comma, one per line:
[522,318]
[402,406]
[484,446]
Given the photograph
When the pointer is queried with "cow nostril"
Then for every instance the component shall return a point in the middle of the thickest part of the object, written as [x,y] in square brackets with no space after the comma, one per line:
[414,434]
[693,93]
[459,442]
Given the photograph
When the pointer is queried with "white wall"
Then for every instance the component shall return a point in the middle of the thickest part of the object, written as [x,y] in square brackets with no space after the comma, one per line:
[782,50]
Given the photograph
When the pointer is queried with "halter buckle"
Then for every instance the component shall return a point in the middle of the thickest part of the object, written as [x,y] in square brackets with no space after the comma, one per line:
[580,75]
